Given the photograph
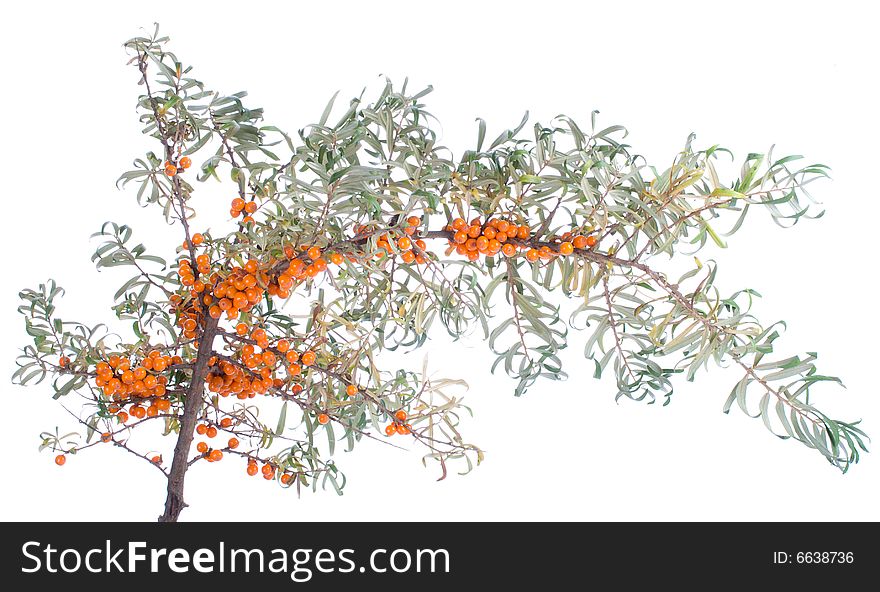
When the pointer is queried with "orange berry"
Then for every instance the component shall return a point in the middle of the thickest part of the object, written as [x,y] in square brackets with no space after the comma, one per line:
[413,220]
[201,429]
[532,255]
[238,204]
[336,258]
[170,170]
[225,422]
[351,390]
[313,253]
[185,162]
[285,478]
[211,432]
[404,243]
[566,248]
[202,447]
[390,430]
[523,232]
[215,455]
[308,358]
[60,460]
[460,237]
[197,239]
[402,429]
[592,241]
[233,443]
[247,220]
[252,469]
[123,416]
[408,256]
[250,207]
[64,361]
[106,437]
[323,419]
[459,223]
[509,249]
[157,459]
[283,345]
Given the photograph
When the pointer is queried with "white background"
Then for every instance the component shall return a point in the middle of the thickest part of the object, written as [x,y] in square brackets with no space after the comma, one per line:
[746,75]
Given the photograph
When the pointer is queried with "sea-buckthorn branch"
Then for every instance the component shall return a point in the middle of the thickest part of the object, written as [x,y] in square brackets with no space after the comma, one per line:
[354,205]
[117,443]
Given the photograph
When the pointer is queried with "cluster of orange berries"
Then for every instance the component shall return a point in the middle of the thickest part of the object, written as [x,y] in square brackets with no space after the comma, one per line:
[240,207]
[268,471]
[229,379]
[256,370]
[412,250]
[497,235]
[237,293]
[301,267]
[398,426]
[172,168]
[214,454]
[243,286]
[118,379]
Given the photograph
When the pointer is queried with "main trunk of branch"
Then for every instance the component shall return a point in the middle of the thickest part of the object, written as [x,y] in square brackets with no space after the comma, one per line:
[174,503]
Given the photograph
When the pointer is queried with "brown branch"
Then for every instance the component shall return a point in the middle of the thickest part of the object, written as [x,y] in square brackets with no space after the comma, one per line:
[617,342]
[192,405]
[516,318]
